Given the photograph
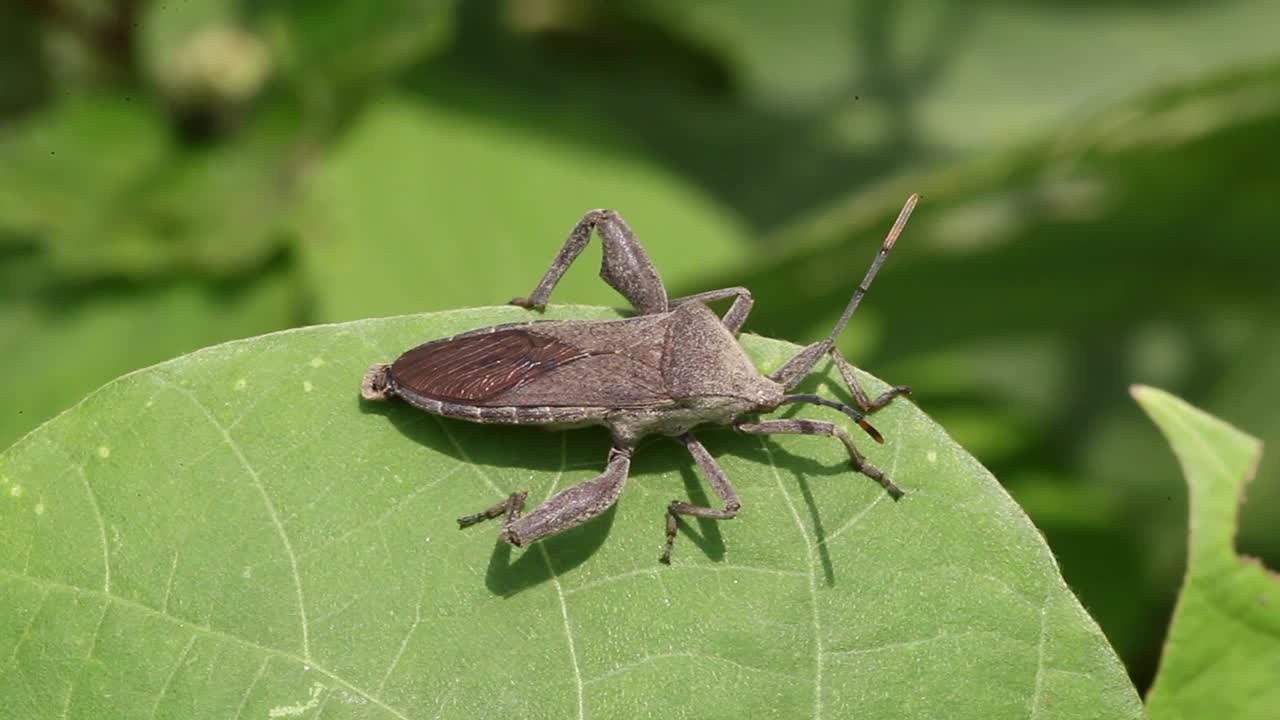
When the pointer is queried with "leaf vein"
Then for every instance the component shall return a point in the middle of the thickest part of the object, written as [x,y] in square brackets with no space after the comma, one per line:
[168,586]
[210,632]
[649,659]
[1039,681]
[248,691]
[102,527]
[17,647]
[555,580]
[377,521]
[391,668]
[266,501]
[542,550]
[168,682]
[813,583]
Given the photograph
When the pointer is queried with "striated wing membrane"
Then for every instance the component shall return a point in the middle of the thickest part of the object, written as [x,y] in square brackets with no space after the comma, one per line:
[611,364]
[478,368]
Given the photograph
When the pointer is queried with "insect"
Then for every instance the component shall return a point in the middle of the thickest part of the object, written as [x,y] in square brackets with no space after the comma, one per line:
[673,367]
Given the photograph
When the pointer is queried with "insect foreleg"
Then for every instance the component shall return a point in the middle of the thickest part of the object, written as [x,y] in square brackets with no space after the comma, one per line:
[859,395]
[626,266]
[798,367]
[720,483]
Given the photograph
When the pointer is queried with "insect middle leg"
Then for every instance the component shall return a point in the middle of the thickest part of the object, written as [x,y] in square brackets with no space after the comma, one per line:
[626,266]
[720,483]
[566,509]
[822,427]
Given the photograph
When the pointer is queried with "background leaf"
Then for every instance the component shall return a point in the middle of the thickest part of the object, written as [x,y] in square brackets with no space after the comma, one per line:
[1224,645]
[413,187]
[149,207]
[942,67]
[235,532]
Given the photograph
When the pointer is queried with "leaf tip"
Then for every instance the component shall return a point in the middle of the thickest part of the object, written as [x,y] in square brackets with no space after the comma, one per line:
[1150,398]
[1143,393]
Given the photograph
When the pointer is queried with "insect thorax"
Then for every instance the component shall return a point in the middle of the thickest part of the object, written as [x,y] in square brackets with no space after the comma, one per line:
[704,360]
[630,424]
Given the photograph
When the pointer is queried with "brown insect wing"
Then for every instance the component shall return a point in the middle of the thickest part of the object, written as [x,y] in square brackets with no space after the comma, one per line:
[475,368]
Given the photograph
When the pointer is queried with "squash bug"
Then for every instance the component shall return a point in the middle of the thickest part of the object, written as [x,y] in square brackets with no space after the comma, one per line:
[673,367]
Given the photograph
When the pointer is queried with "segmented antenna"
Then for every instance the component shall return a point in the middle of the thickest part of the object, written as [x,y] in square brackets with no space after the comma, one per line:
[889,240]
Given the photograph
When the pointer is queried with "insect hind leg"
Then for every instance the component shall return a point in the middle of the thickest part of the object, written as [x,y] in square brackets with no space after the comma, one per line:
[511,507]
[566,509]
[626,267]
[737,314]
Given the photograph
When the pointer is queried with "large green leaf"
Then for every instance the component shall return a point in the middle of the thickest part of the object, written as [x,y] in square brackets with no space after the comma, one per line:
[235,533]
[1223,648]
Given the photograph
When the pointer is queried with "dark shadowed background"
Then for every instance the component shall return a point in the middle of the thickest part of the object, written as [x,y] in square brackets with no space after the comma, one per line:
[1099,182]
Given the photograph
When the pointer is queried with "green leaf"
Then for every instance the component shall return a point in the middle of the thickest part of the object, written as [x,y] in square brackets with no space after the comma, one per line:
[24,76]
[1048,207]
[146,205]
[413,187]
[966,75]
[340,45]
[235,533]
[1223,648]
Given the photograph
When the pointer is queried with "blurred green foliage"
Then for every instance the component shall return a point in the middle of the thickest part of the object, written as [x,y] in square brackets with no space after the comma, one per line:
[1098,177]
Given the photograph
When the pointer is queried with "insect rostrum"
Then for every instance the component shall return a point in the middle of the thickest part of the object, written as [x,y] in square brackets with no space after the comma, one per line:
[670,369]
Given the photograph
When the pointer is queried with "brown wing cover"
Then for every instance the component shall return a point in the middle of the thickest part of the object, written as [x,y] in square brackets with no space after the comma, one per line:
[475,368]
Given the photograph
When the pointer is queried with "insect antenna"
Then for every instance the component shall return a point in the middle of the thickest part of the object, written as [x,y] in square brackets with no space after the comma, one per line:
[889,240]
[795,369]
[856,416]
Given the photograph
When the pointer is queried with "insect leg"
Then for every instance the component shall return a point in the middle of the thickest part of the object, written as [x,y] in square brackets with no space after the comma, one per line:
[720,483]
[573,506]
[822,427]
[510,507]
[795,369]
[742,302]
[626,267]
[853,414]
[859,395]
[798,367]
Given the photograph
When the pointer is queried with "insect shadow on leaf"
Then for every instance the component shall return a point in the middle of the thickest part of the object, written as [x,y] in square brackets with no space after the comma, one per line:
[674,367]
